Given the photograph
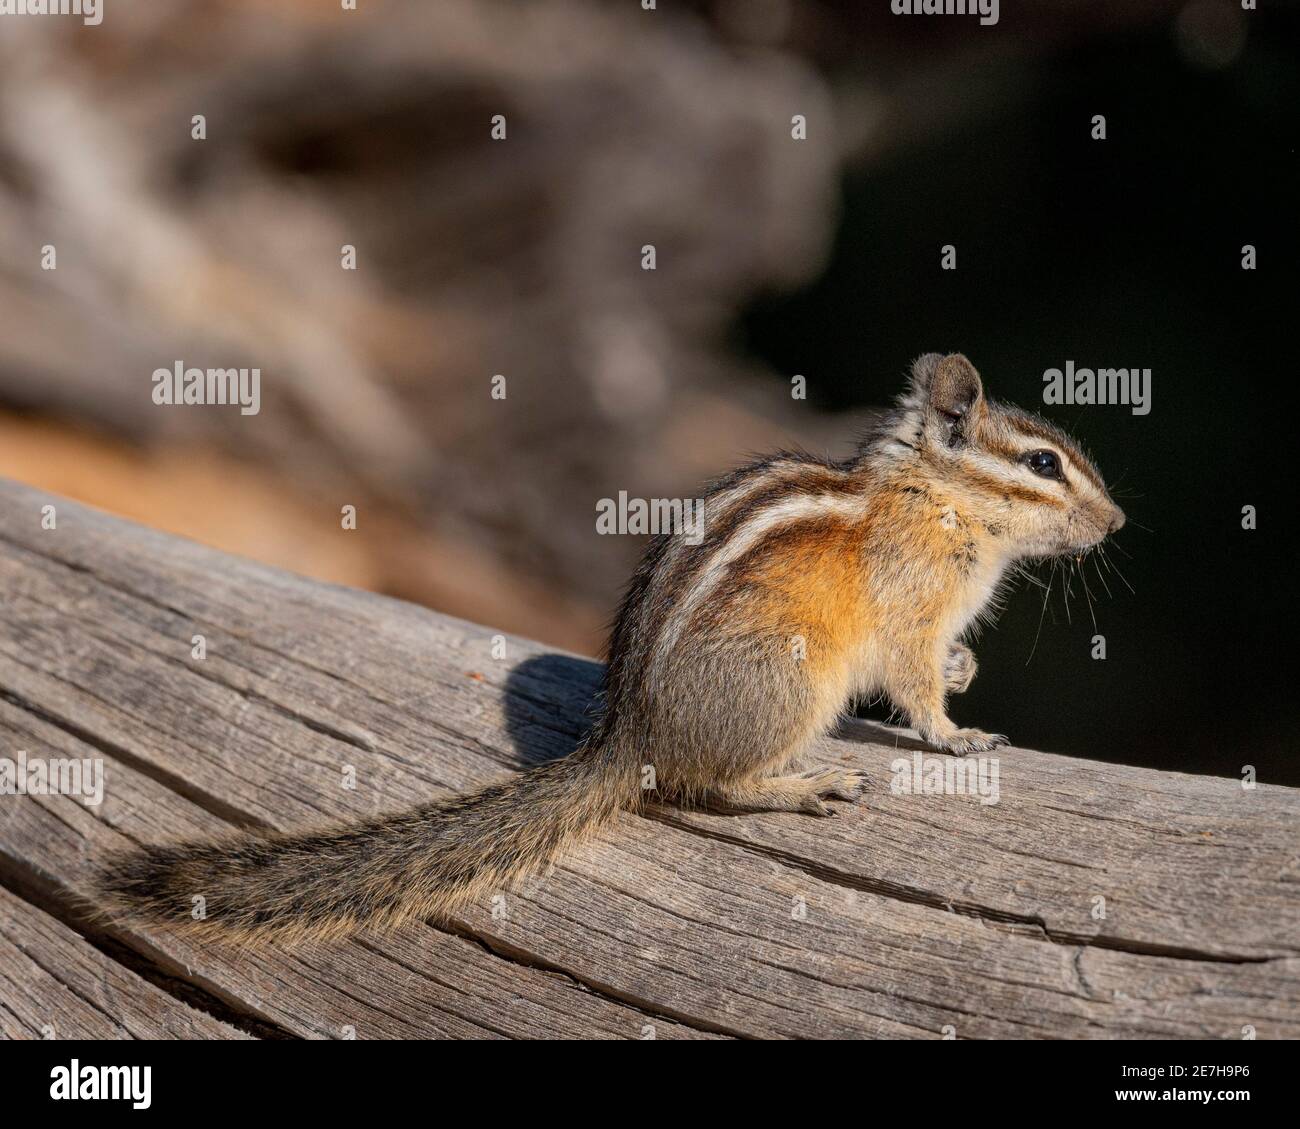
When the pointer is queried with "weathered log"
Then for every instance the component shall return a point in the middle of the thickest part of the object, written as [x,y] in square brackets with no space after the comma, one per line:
[1091,900]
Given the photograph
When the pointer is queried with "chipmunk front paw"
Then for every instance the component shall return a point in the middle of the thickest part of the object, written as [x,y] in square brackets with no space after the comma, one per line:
[959,668]
[962,741]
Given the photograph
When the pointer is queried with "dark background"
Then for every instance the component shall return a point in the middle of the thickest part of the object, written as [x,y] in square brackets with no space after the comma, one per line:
[776,257]
[1127,253]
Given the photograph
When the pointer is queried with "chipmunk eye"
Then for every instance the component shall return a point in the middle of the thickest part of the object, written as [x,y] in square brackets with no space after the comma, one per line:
[1045,463]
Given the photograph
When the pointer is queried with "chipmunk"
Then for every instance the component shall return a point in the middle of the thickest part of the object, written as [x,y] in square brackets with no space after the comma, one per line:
[815,583]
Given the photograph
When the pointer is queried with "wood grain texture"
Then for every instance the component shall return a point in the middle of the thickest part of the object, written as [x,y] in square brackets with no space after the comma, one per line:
[903,916]
[54,985]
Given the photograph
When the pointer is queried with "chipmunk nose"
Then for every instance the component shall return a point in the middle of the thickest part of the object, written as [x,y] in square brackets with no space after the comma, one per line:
[1116,520]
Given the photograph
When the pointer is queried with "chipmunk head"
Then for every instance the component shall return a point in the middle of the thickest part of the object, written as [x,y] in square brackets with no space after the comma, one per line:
[1024,479]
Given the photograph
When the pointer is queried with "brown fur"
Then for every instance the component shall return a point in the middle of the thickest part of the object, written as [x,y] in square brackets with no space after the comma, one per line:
[427,863]
[815,583]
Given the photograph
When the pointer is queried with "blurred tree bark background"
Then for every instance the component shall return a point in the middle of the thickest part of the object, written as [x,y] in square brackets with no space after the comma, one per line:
[476,257]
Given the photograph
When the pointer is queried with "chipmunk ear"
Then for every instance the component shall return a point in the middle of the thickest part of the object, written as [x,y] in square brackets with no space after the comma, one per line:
[922,375]
[944,399]
[917,394]
[956,392]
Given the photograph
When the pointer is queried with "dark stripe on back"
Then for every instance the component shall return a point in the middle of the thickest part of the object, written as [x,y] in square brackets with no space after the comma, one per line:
[810,478]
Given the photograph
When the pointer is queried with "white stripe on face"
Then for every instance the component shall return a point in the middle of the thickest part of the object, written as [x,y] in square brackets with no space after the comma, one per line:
[1076,465]
[1017,474]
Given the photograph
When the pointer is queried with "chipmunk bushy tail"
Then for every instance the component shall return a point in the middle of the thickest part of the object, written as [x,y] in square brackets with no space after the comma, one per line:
[425,863]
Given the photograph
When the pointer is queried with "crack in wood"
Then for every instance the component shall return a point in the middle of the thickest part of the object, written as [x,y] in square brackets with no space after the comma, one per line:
[26,885]
[988,914]
[505,950]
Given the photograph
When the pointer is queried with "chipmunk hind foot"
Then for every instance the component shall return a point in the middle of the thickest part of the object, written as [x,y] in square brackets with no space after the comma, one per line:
[802,792]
